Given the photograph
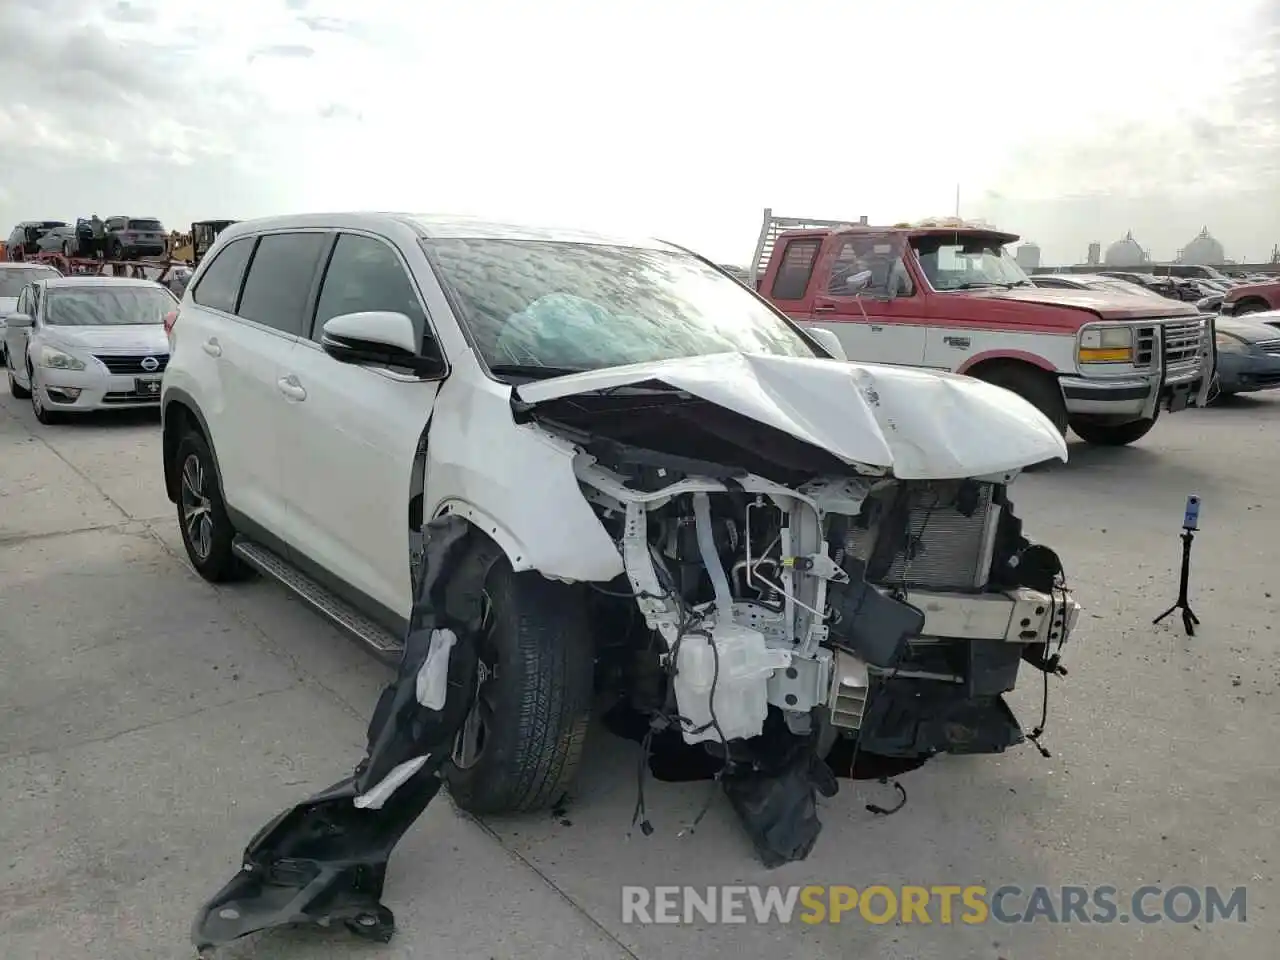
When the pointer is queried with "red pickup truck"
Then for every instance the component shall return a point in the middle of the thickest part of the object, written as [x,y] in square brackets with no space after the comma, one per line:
[1251,298]
[946,295]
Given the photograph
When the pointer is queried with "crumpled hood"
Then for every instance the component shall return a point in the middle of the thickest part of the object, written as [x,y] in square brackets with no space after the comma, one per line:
[122,338]
[1109,306]
[918,424]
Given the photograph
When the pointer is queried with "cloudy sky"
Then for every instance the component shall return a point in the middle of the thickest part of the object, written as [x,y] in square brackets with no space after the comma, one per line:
[1065,123]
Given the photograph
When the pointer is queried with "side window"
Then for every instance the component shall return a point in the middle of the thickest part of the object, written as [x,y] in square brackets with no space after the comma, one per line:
[24,301]
[796,268]
[279,282]
[365,274]
[877,255]
[35,300]
[220,283]
[114,223]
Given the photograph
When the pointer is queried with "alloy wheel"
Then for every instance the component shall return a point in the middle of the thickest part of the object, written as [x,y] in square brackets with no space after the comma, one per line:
[197,511]
[469,745]
[37,405]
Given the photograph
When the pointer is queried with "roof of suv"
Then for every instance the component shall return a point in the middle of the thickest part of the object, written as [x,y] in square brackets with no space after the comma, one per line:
[438,227]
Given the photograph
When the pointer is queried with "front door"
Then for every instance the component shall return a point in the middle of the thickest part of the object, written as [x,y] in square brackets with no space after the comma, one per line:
[881,321]
[352,433]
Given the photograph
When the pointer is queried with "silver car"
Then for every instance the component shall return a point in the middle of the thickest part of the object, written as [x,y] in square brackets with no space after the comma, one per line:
[76,344]
[13,277]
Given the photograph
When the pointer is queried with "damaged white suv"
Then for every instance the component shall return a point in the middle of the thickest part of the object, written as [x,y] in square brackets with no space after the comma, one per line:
[673,493]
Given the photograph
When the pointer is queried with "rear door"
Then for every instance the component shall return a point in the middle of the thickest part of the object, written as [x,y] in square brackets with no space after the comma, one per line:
[350,434]
[250,350]
[884,322]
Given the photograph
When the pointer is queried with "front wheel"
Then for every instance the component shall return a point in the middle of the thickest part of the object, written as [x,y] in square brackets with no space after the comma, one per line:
[206,529]
[1113,434]
[16,390]
[43,413]
[521,743]
[1035,386]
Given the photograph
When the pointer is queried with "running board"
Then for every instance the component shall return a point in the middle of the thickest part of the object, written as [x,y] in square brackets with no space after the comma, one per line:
[381,642]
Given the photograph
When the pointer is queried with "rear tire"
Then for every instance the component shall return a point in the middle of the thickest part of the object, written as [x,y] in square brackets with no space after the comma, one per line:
[1113,434]
[521,746]
[207,531]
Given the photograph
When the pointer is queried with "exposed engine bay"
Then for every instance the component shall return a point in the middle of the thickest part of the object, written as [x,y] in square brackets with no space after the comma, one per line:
[843,601]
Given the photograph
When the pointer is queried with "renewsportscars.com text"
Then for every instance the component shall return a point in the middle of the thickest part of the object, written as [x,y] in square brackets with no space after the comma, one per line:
[943,904]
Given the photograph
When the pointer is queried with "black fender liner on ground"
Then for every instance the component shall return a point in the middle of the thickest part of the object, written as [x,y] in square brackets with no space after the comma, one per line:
[324,861]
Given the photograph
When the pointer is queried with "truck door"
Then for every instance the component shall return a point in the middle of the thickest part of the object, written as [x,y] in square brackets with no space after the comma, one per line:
[883,321]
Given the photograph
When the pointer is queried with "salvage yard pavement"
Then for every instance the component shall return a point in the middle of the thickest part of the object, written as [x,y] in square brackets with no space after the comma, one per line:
[150,723]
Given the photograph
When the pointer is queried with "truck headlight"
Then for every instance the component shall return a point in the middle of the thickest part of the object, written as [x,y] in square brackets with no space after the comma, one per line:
[56,359]
[1227,343]
[1106,345]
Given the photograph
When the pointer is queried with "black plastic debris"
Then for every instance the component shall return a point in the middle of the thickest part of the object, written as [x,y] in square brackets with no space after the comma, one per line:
[778,805]
[324,861]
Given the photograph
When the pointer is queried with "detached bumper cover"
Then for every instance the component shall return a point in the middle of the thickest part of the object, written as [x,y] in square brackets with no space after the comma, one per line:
[324,861]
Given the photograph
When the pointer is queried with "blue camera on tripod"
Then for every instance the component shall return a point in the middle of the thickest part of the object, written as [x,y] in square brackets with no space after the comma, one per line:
[1191,519]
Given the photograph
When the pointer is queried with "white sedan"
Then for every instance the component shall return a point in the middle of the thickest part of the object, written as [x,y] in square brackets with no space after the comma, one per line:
[75,344]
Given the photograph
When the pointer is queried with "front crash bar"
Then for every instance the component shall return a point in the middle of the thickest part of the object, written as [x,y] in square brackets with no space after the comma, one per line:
[324,861]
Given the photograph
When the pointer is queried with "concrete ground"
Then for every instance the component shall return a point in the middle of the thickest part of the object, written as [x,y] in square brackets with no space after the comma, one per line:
[150,723]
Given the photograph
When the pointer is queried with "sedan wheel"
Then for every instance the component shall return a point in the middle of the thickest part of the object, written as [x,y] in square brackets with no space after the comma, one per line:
[43,413]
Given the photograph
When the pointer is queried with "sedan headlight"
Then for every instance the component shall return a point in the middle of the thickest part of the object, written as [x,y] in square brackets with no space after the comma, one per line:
[1106,345]
[1228,343]
[56,359]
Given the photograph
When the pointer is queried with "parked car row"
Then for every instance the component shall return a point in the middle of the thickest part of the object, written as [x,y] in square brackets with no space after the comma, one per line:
[123,238]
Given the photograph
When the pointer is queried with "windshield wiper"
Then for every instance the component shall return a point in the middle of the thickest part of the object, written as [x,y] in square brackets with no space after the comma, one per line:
[979,285]
[532,371]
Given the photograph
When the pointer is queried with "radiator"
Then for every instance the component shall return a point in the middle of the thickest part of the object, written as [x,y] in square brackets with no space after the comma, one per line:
[944,549]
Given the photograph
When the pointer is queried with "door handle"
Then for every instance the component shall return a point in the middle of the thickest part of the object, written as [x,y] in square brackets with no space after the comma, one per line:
[291,388]
[212,347]
[824,308]
[876,328]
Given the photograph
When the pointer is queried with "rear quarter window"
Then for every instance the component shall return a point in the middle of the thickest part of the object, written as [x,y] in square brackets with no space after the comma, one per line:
[795,269]
[219,285]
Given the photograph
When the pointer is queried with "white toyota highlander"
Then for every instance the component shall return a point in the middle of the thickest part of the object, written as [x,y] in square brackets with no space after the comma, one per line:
[670,491]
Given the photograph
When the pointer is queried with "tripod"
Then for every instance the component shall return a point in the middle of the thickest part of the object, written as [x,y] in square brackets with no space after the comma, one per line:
[1189,619]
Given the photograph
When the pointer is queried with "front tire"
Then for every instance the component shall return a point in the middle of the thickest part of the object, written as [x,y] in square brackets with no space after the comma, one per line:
[43,414]
[1113,434]
[1033,385]
[16,390]
[521,744]
[207,532]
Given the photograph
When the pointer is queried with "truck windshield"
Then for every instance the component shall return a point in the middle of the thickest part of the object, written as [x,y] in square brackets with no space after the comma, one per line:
[967,263]
[575,306]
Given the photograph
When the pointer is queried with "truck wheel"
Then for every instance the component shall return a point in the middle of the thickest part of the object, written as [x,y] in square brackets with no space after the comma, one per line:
[1033,385]
[202,515]
[1113,434]
[521,743]
[1251,306]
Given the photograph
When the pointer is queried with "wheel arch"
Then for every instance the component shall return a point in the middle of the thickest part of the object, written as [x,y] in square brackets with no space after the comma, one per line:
[1252,303]
[992,358]
[180,414]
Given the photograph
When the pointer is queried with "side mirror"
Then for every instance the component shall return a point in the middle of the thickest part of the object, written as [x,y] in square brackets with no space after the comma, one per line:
[17,321]
[828,341]
[381,338]
[858,282]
